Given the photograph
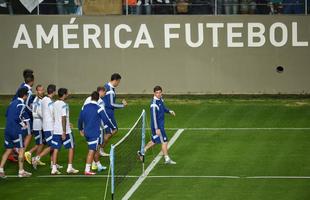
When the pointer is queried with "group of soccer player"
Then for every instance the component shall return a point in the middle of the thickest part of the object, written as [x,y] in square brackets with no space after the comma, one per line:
[48,121]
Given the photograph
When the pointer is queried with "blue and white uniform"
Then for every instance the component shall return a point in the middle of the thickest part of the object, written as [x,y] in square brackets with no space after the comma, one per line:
[110,105]
[103,126]
[37,120]
[61,109]
[16,119]
[158,110]
[90,120]
[28,104]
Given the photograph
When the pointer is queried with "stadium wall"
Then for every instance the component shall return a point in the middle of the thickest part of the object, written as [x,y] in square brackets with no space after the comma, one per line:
[184,54]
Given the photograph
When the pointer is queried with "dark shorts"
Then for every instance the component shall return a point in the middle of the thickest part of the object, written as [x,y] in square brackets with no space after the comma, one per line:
[159,139]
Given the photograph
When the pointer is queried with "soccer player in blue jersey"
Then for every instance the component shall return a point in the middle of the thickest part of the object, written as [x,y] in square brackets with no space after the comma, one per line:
[15,125]
[110,104]
[28,83]
[91,117]
[159,136]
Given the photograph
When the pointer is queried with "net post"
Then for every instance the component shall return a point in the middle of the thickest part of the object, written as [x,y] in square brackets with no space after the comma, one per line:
[143,140]
[112,170]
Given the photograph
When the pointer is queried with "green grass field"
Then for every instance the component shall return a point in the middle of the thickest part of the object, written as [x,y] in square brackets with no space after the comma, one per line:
[227,162]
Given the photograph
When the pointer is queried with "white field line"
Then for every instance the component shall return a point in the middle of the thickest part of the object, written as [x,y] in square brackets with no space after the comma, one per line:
[223,128]
[172,176]
[151,167]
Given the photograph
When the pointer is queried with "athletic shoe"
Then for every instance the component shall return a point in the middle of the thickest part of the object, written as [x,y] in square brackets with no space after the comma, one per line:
[94,167]
[90,173]
[24,174]
[58,166]
[103,154]
[102,168]
[170,162]
[41,163]
[12,158]
[72,171]
[55,172]
[140,155]
[2,175]
[28,157]
[35,163]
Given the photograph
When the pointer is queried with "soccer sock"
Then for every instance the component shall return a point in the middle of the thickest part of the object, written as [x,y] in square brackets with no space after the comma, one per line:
[38,157]
[21,171]
[167,158]
[99,164]
[70,166]
[87,167]
[54,168]
[94,163]
[1,170]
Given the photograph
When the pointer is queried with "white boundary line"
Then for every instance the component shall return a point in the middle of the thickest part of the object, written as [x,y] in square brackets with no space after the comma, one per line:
[172,176]
[223,128]
[151,166]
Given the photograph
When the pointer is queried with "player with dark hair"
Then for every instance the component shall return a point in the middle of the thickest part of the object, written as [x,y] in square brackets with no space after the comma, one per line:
[15,125]
[62,135]
[110,106]
[91,117]
[159,136]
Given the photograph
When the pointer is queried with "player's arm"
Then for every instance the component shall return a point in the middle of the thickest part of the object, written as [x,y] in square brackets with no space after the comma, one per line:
[105,118]
[167,110]
[21,116]
[64,122]
[113,104]
[154,113]
[81,124]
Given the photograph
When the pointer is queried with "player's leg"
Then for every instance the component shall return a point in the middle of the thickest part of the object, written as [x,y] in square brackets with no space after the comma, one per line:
[102,144]
[38,137]
[69,144]
[89,160]
[21,151]
[164,146]
[56,145]
[5,156]
[47,135]
[109,132]
[28,136]
[92,156]
[96,160]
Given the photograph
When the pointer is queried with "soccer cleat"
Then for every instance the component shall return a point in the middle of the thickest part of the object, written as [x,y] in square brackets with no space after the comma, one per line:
[90,173]
[55,172]
[28,157]
[72,171]
[24,174]
[140,155]
[41,163]
[12,158]
[58,166]
[34,163]
[103,154]
[2,175]
[102,168]
[94,166]
[170,162]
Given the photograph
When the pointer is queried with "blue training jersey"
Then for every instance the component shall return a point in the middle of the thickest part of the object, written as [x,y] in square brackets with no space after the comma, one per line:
[29,100]
[110,98]
[158,110]
[90,119]
[16,116]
